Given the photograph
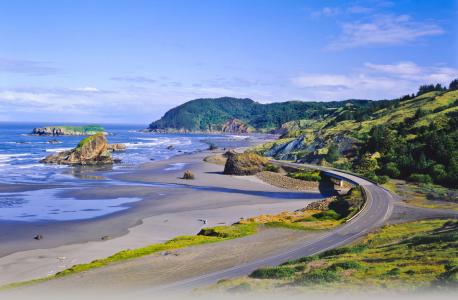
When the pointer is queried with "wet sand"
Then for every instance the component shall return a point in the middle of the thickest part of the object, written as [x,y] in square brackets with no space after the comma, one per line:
[171,206]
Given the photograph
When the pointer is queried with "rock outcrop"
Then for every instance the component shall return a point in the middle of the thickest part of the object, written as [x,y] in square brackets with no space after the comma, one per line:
[320,205]
[244,163]
[235,126]
[286,150]
[116,147]
[92,150]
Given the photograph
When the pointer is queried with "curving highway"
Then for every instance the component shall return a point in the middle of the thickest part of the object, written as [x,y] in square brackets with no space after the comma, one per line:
[377,209]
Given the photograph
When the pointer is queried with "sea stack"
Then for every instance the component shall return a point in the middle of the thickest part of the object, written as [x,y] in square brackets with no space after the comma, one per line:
[93,150]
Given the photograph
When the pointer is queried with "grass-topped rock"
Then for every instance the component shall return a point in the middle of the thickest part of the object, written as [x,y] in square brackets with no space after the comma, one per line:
[247,163]
[93,150]
[68,130]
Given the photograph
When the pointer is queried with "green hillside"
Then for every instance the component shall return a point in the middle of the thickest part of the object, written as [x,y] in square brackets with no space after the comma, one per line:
[412,138]
[210,114]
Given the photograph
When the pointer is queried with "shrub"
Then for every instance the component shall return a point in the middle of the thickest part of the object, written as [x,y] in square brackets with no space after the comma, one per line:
[391,169]
[342,165]
[273,273]
[382,179]
[302,260]
[272,168]
[449,278]
[307,176]
[327,215]
[429,239]
[421,178]
[334,252]
[345,265]
[394,272]
[333,154]
[318,276]
[439,172]
[343,250]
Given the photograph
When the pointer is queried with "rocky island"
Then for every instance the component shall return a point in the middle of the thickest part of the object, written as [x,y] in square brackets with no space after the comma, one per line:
[93,150]
[68,130]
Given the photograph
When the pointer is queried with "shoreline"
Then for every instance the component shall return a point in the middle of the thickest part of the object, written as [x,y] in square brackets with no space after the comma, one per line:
[163,213]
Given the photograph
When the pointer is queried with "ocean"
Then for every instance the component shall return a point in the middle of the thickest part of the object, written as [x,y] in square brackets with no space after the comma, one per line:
[21,152]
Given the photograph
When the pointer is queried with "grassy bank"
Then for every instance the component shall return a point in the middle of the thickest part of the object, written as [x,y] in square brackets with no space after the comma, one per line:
[409,256]
[209,235]
[336,211]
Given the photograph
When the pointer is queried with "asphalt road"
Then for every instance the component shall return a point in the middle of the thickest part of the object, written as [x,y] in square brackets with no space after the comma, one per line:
[378,208]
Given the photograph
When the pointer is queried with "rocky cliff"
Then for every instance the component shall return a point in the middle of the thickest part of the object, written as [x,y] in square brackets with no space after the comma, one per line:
[93,150]
[236,126]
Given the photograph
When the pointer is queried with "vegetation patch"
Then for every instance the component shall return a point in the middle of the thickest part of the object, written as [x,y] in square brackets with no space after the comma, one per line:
[87,140]
[272,168]
[425,195]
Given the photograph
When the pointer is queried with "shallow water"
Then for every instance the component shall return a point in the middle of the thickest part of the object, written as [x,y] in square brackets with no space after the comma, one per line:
[47,205]
[21,152]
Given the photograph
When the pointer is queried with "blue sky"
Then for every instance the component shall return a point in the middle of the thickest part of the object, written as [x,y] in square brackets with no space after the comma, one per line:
[130,61]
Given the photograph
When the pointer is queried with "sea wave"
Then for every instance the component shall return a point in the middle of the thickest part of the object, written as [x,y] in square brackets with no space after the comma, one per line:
[239,137]
[58,149]
[175,166]
[10,157]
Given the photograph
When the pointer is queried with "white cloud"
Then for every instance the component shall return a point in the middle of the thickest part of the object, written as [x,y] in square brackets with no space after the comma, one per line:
[88,89]
[383,30]
[413,72]
[404,69]
[374,81]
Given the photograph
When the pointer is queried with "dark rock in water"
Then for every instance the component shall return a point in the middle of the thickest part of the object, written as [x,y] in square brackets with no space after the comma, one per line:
[170,147]
[38,237]
[92,150]
[212,147]
[152,159]
[54,142]
[116,147]
[244,163]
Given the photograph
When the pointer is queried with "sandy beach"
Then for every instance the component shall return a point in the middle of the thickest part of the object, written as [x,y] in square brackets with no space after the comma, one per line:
[170,206]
